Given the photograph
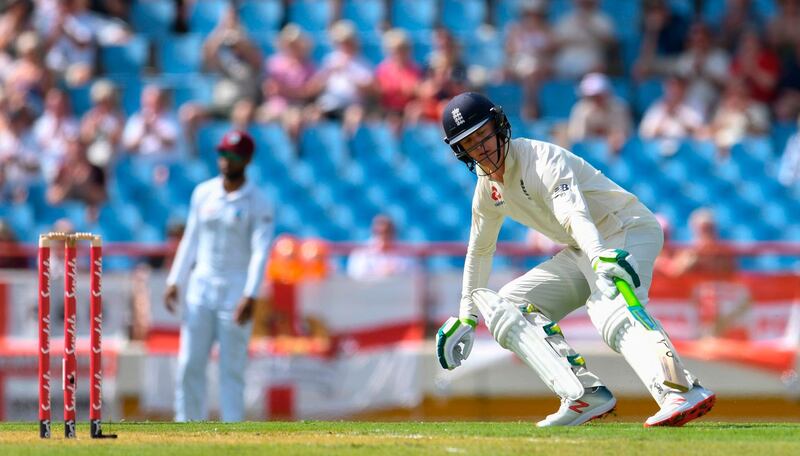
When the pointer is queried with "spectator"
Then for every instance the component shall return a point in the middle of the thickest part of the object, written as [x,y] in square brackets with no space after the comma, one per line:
[53,130]
[671,117]
[782,32]
[787,105]
[757,66]
[19,159]
[117,9]
[231,55]
[153,131]
[739,17]
[445,77]
[379,259]
[707,257]
[27,78]
[529,46]
[71,41]
[705,66]
[140,323]
[288,73]
[12,258]
[101,127]
[737,116]
[789,171]
[663,37]
[585,37]
[77,179]
[14,20]
[599,113]
[665,262]
[344,82]
[398,76]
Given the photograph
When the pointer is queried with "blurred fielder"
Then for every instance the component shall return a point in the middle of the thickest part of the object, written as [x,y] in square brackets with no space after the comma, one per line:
[604,228]
[226,240]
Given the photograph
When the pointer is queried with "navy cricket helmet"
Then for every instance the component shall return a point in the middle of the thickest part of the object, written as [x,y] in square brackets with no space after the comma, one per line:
[466,113]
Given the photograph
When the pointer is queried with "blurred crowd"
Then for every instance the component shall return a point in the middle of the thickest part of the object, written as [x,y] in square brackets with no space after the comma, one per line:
[720,83]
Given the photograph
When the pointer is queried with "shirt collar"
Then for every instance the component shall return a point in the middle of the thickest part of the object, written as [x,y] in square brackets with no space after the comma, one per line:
[243,191]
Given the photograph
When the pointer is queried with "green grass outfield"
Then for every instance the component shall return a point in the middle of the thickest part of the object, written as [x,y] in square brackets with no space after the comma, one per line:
[375,439]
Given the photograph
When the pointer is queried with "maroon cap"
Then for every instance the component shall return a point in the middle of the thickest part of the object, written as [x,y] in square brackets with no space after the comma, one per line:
[238,142]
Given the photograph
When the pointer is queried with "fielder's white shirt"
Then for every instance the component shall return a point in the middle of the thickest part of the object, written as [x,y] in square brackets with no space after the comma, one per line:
[553,191]
[227,235]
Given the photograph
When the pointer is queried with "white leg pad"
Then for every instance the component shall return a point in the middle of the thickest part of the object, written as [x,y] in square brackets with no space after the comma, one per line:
[529,341]
[650,353]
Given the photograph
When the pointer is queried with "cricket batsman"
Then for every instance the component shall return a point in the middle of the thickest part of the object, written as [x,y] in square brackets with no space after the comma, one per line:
[612,242]
[220,262]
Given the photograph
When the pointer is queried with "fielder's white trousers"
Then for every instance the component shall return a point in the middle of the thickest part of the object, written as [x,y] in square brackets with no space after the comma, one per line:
[208,317]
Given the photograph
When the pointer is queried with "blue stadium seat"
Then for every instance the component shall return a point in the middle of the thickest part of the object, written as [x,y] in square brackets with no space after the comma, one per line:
[630,45]
[122,218]
[506,11]
[414,15]
[713,10]
[154,18]
[322,46]
[556,98]
[324,144]
[509,96]
[755,149]
[259,16]
[781,132]
[647,93]
[148,234]
[595,151]
[422,45]
[463,16]
[374,139]
[311,15]
[196,88]
[21,219]
[621,87]
[272,140]
[422,144]
[130,93]
[367,15]
[205,15]
[625,16]
[372,47]
[681,7]
[80,98]
[558,8]
[208,136]
[181,54]
[127,59]
[483,49]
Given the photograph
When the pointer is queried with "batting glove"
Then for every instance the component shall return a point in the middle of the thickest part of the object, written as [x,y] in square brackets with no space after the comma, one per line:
[615,263]
[454,341]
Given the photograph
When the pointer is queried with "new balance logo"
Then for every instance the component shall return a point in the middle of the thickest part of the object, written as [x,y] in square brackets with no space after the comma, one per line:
[578,406]
[457,117]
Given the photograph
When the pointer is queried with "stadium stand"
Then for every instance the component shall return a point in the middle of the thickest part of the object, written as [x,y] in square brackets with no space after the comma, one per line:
[345,176]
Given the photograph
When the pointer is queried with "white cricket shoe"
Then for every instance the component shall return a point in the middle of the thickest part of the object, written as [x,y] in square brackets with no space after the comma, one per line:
[596,403]
[680,408]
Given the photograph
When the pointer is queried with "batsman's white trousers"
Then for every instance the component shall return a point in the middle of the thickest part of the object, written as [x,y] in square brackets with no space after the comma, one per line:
[565,282]
[208,317]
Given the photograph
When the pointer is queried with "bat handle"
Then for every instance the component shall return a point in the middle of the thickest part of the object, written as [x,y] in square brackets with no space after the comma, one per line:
[634,306]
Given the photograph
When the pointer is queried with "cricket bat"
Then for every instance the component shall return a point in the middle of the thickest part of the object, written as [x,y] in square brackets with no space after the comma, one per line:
[670,364]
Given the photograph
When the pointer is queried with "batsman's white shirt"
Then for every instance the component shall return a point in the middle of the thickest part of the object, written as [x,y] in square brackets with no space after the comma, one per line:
[221,257]
[560,195]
